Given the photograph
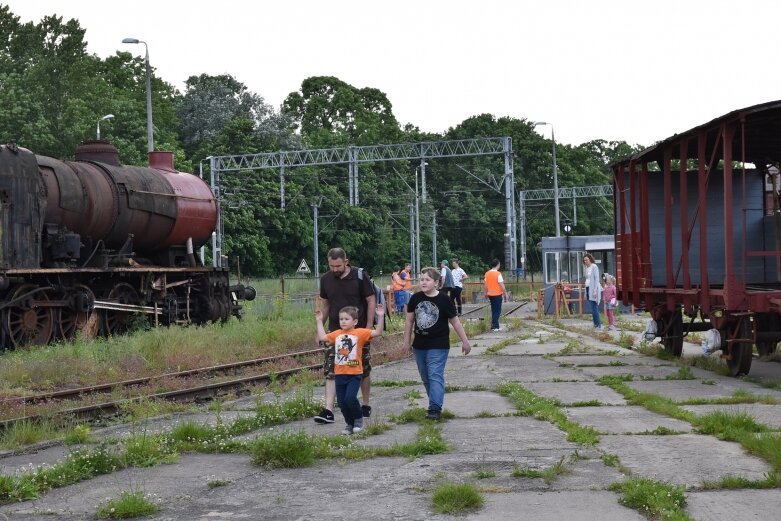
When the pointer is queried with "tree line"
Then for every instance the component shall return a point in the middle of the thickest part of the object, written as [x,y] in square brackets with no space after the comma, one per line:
[53,92]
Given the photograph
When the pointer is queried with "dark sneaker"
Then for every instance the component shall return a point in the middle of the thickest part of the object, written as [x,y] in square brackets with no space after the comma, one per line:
[348,429]
[433,415]
[325,416]
[366,410]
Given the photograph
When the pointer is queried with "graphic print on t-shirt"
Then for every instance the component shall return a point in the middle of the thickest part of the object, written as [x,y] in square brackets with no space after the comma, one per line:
[426,314]
[346,348]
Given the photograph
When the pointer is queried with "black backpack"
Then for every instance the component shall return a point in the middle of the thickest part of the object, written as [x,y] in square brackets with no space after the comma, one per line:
[379,296]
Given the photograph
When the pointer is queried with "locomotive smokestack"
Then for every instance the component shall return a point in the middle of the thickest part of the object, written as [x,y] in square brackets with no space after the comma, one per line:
[98,150]
[162,160]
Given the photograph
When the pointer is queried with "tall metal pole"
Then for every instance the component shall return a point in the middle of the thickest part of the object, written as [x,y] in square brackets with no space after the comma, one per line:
[434,239]
[412,234]
[555,184]
[417,226]
[150,145]
[317,244]
[555,177]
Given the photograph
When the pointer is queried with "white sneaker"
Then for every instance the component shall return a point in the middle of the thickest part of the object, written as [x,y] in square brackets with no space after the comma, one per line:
[611,328]
[496,330]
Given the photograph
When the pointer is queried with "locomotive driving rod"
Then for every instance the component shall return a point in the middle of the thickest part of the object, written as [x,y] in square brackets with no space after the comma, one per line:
[116,306]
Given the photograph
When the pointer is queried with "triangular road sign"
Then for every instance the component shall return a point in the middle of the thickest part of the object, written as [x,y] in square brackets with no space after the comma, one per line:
[303,268]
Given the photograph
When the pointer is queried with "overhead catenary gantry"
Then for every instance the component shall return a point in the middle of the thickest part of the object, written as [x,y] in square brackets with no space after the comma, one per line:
[548,193]
[354,155]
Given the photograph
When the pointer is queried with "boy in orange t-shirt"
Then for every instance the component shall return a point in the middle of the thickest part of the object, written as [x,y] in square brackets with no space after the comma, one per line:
[348,345]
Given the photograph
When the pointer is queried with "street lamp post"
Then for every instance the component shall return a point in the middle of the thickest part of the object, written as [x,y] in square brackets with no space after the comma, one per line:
[107,116]
[417,226]
[555,176]
[149,139]
[568,232]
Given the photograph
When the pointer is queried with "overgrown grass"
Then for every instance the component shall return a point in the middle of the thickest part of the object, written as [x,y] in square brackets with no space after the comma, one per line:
[77,435]
[729,426]
[653,499]
[144,449]
[395,383]
[683,373]
[530,404]
[127,505]
[548,475]
[295,449]
[26,433]
[456,498]
[90,362]
[283,450]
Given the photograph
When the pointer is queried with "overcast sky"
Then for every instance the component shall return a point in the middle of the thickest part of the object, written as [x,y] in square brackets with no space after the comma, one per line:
[610,69]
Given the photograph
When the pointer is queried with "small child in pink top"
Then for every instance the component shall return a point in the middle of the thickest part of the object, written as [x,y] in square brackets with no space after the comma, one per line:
[609,294]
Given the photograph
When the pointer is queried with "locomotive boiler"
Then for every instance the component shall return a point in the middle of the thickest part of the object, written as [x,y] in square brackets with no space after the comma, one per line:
[88,245]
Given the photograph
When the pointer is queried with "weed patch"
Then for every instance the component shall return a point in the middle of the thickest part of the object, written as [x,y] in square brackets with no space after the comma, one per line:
[530,404]
[653,499]
[456,498]
[127,505]
[283,450]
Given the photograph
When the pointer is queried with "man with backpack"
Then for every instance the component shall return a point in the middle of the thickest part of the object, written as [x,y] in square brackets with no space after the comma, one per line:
[344,285]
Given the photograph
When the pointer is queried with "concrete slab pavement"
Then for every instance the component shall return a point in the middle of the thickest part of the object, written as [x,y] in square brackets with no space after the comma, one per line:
[486,436]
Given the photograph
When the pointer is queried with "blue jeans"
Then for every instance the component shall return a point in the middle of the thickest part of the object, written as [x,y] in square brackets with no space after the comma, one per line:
[400,297]
[347,386]
[496,310]
[431,366]
[594,311]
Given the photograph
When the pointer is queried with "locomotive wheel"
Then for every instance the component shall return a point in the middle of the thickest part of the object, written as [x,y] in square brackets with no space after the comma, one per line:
[72,322]
[740,362]
[673,340]
[118,322]
[29,325]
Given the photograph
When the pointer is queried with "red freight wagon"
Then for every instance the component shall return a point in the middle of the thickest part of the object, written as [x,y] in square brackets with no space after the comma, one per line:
[698,234]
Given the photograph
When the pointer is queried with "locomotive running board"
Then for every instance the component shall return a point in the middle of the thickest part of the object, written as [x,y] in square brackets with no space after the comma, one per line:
[117,306]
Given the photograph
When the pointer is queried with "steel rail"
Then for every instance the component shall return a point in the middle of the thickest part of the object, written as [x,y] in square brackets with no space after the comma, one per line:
[74,393]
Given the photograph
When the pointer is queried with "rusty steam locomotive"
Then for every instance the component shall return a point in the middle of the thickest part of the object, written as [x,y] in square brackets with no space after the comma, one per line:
[87,245]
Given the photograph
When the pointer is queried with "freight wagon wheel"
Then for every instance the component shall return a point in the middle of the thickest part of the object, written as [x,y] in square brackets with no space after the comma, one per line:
[766,348]
[119,322]
[29,325]
[740,362]
[673,340]
[73,320]
[768,322]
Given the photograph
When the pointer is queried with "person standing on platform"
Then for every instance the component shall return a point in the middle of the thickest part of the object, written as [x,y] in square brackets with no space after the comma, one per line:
[406,276]
[593,289]
[341,287]
[399,295]
[428,312]
[446,282]
[493,284]
[609,294]
[458,284]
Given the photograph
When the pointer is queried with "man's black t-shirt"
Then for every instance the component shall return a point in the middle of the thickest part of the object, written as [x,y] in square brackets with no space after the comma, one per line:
[432,315]
[345,292]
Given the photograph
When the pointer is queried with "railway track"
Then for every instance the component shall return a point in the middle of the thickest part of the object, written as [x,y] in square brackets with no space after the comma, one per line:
[195,393]
[472,314]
